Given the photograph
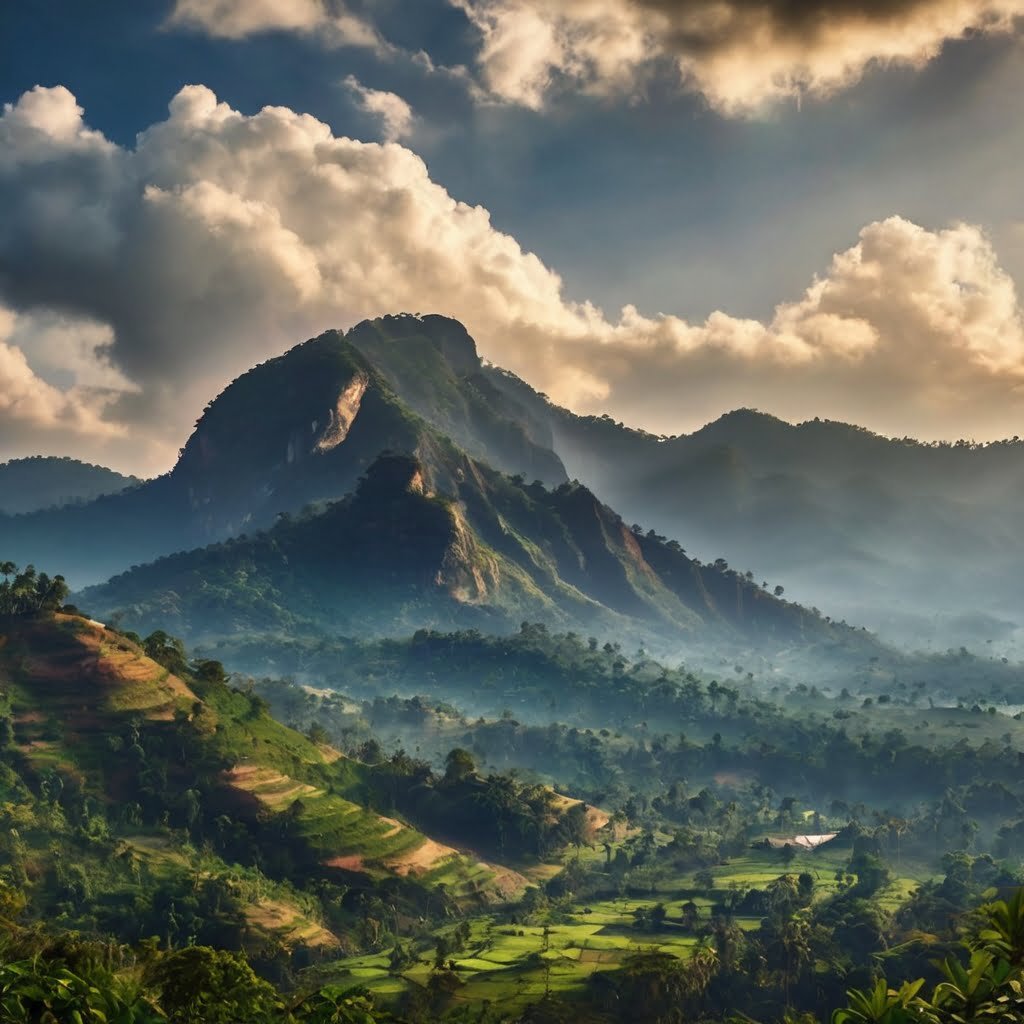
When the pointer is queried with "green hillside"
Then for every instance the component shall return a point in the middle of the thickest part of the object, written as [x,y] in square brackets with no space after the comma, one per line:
[440,541]
[124,755]
[152,808]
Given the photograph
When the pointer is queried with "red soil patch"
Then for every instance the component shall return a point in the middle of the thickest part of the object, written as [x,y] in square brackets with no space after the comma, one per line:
[272,916]
[730,778]
[350,863]
[508,884]
[596,818]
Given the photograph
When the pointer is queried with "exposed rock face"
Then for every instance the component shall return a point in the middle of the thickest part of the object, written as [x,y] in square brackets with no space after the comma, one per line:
[469,574]
[343,414]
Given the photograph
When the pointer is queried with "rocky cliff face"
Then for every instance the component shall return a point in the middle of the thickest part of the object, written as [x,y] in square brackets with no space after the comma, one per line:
[297,429]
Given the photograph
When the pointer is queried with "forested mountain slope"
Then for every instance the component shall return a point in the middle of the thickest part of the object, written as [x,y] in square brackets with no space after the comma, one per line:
[446,542]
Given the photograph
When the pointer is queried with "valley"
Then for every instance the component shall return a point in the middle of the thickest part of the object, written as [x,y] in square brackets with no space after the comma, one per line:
[382,709]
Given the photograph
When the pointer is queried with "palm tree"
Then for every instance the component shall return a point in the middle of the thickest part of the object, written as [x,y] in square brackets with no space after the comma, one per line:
[23,590]
[881,1005]
[972,991]
[1004,934]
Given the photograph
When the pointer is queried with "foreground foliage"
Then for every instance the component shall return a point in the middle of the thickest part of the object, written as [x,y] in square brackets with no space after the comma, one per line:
[67,981]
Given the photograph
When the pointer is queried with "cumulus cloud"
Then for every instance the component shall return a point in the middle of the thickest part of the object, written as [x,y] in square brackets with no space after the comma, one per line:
[740,54]
[34,411]
[910,332]
[219,239]
[395,115]
[334,23]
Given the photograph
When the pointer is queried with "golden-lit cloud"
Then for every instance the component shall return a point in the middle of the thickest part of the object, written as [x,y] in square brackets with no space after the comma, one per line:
[333,23]
[741,55]
[33,409]
[220,239]
[390,110]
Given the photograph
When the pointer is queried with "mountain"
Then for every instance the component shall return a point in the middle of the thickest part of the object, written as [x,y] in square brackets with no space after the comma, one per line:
[27,485]
[432,364]
[450,543]
[141,794]
[919,541]
[295,430]
[291,431]
[436,535]
[838,517]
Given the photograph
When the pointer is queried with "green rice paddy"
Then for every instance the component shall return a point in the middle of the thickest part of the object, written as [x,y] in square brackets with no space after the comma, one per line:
[516,963]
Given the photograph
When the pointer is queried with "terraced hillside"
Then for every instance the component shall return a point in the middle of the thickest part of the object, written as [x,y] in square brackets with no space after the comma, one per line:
[124,770]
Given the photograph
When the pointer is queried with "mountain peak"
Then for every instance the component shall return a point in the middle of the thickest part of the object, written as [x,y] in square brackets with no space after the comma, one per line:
[431,364]
[743,419]
[447,335]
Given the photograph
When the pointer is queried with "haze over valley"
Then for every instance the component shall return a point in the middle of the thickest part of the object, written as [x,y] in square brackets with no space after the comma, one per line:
[509,513]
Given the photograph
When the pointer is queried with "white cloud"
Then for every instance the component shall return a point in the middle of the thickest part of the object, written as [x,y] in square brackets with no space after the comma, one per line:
[220,239]
[236,19]
[740,54]
[69,351]
[395,115]
[910,332]
[32,410]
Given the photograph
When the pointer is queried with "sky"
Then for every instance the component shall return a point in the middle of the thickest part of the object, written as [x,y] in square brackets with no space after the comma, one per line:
[658,209]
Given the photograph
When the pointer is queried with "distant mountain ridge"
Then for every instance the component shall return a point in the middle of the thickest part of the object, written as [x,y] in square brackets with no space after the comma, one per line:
[918,540]
[27,485]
